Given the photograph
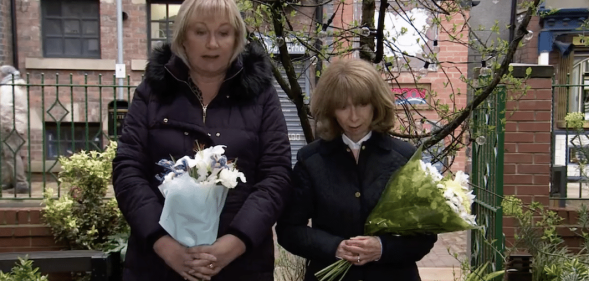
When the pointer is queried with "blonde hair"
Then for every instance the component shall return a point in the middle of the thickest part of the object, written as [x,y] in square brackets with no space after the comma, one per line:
[191,9]
[355,79]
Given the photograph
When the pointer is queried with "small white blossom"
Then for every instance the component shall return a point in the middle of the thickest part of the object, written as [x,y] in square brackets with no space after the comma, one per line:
[228,178]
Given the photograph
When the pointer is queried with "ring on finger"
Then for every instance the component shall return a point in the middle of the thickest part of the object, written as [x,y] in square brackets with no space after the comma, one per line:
[358,258]
[211,266]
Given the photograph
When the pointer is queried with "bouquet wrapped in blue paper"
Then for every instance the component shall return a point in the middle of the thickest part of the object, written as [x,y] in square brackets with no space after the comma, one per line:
[416,200]
[195,190]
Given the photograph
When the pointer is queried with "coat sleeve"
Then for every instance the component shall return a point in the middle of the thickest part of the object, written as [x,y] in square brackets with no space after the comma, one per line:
[264,205]
[138,203]
[293,231]
[400,249]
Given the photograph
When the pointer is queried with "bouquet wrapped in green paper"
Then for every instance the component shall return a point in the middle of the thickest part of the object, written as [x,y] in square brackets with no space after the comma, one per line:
[416,200]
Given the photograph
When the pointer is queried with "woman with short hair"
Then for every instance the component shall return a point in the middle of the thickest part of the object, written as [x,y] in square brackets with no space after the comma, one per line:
[209,86]
[339,178]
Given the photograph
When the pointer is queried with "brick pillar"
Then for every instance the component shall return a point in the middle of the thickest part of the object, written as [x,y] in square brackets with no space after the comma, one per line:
[527,141]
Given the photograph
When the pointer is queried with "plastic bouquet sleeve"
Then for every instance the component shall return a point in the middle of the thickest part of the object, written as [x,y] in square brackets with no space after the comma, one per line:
[417,200]
[191,210]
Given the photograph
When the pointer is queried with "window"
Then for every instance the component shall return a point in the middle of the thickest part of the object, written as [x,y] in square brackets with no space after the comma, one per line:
[579,91]
[161,21]
[415,38]
[70,28]
[63,142]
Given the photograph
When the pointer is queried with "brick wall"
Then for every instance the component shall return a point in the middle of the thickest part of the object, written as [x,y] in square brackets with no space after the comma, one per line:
[5,33]
[527,142]
[22,230]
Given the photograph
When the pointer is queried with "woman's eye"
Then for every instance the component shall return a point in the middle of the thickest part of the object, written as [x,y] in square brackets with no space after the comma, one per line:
[224,34]
[200,32]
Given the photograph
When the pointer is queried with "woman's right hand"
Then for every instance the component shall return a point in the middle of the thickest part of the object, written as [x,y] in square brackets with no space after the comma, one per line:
[176,256]
[340,253]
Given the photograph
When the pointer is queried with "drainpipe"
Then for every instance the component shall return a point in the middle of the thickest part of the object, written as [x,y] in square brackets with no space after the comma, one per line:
[512,20]
[14,37]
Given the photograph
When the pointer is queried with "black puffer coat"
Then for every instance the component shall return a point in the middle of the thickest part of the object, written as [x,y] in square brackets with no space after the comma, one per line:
[164,119]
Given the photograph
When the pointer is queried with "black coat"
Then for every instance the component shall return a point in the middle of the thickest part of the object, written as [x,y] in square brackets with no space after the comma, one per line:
[338,195]
[164,119]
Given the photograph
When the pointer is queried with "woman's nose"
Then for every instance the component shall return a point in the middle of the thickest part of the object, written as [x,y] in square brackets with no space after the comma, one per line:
[353,113]
[212,42]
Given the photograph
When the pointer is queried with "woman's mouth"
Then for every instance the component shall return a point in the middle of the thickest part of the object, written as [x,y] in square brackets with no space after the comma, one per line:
[210,57]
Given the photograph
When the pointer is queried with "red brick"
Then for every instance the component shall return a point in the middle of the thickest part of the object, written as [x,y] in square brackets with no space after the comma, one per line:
[508,189]
[41,231]
[519,137]
[526,199]
[15,242]
[35,216]
[544,94]
[510,127]
[536,105]
[6,231]
[10,217]
[509,169]
[533,169]
[521,116]
[509,231]
[533,147]
[23,216]
[510,147]
[42,241]
[22,231]
[541,179]
[518,158]
[517,179]
[544,200]
[533,127]
[541,159]
[542,138]
[531,189]
[540,83]
[509,222]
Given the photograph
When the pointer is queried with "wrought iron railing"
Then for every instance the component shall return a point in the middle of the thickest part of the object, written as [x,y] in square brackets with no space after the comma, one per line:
[59,118]
[570,147]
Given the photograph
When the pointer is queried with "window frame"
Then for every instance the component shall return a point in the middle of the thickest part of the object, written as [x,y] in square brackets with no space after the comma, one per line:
[44,36]
[149,21]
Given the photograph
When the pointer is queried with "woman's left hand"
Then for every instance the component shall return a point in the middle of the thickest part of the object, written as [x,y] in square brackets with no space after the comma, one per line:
[365,248]
[226,249]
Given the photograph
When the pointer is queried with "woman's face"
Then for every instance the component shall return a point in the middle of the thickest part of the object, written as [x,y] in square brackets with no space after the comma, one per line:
[209,45]
[355,119]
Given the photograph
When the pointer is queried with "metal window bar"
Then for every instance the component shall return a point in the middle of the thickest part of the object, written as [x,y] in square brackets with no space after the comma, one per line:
[50,102]
[576,148]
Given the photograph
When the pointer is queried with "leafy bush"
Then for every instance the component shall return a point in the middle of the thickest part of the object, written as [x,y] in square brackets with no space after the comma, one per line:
[23,271]
[82,217]
[537,234]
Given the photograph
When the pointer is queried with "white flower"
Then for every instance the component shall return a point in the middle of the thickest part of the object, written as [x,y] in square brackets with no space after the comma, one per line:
[206,154]
[462,179]
[169,177]
[228,178]
[202,169]
[429,169]
[454,208]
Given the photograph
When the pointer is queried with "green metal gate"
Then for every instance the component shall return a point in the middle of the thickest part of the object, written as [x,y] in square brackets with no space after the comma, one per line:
[487,179]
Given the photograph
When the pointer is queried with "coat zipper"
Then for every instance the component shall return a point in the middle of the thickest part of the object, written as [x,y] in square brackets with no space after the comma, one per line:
[204,107]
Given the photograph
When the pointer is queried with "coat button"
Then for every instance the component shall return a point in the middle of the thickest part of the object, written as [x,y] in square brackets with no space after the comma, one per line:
[357,194]
[209,134]
[363,147]
[165,120]
[218,134]
[348,150]
[186,133]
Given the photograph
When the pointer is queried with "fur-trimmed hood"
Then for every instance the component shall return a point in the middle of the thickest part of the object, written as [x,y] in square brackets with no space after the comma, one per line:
[252,70]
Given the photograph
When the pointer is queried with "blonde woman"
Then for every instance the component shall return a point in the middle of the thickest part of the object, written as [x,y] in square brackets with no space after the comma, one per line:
[339,178]
[212,86]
